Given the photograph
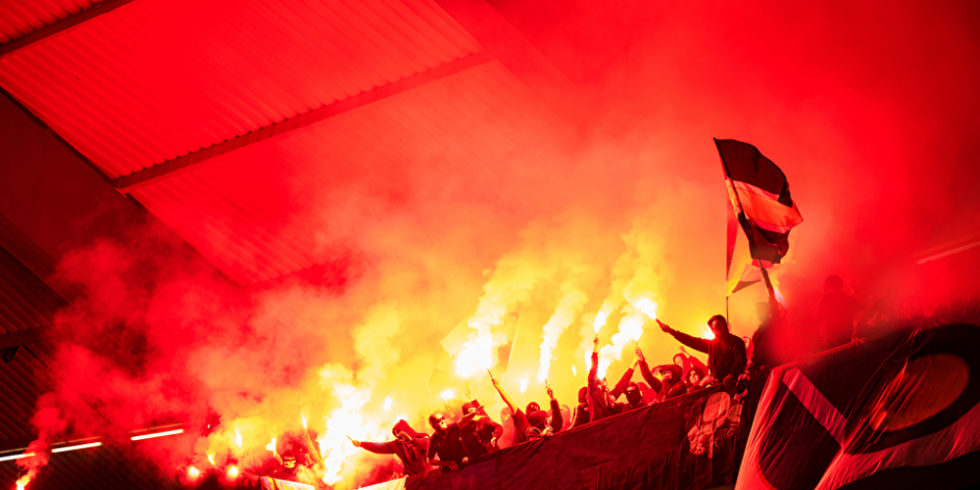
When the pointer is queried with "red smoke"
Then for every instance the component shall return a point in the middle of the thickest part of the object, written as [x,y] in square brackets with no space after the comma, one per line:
[869,110]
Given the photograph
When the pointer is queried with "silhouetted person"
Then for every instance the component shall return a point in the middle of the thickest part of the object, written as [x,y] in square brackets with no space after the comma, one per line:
[447,442]
[671,380]
[835,315]
[766,353]
[480,434]
[410,447]
[726,352]
[600,403]
[581,415]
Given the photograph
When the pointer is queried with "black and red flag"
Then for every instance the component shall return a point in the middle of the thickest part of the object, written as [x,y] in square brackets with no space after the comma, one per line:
[760,200]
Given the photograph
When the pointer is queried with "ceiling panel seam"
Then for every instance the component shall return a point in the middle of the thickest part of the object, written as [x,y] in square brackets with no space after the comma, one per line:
[148,175]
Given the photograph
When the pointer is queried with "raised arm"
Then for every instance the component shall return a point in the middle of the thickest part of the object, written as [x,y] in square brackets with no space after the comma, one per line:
[645,371]
[623,382]
[556,418]
[696,343]
[503,396]
[376,447]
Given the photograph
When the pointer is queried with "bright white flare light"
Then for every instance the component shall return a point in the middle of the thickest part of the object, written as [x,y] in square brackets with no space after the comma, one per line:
[600,320]
[64,449]
[448,394]
[15,456]
[232,472]
[524,382]
[388,402]
[157,434]
[646,306]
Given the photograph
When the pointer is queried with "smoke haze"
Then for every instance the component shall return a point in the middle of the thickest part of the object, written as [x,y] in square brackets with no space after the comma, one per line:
[870,110]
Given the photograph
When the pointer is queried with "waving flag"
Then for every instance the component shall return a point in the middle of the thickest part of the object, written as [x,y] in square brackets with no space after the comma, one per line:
[760,199]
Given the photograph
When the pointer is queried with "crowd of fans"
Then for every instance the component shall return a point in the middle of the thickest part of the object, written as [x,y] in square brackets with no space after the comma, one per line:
[459,439]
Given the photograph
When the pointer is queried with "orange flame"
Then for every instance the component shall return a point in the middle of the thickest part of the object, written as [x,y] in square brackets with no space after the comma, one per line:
[347,420]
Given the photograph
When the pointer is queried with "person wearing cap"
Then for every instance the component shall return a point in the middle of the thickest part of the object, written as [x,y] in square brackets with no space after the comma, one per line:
[671,380]
[410,447]
[726,352]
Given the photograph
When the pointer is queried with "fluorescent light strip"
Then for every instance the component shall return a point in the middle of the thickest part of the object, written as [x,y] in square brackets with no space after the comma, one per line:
[77,446]
[157,434]
[16,456]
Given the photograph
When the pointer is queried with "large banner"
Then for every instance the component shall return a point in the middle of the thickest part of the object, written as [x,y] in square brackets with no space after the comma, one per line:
[897,411]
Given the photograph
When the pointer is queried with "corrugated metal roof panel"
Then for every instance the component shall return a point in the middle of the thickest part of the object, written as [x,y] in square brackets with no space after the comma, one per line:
[18,18]
[256,212]
[155,79]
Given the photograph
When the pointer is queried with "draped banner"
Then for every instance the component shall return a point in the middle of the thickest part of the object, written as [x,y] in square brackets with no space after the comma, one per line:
[899,410]
[686,442]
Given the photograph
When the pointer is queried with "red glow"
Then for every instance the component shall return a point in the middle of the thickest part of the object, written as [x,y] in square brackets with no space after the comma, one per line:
[469,223]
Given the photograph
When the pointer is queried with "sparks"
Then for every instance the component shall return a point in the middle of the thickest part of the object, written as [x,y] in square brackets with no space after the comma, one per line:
[210,459]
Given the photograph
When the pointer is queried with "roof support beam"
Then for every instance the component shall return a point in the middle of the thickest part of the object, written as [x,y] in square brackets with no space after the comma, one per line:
[61,25]
[148,175]
[24,337]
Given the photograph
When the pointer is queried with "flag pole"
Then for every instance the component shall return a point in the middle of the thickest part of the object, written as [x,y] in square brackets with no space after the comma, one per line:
[743,218]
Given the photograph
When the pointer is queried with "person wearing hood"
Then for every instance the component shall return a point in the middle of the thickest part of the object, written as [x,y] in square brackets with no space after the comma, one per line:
[480,434]
[726,352]
[549,422]
[410,447]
